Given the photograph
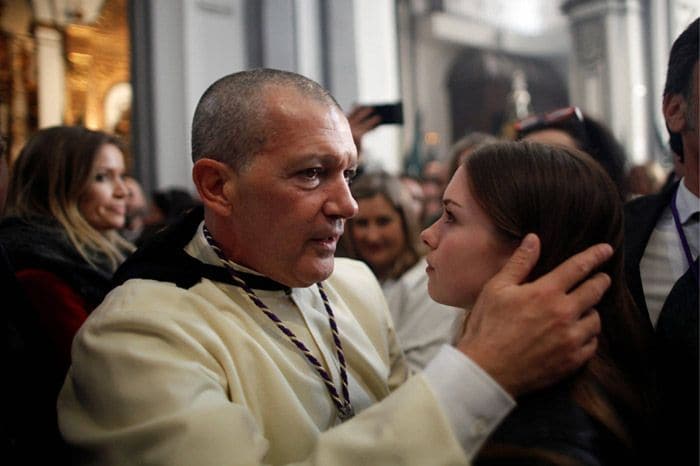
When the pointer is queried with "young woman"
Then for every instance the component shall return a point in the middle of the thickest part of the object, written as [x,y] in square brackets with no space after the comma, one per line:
[384,234]
[501,193]
[65,205]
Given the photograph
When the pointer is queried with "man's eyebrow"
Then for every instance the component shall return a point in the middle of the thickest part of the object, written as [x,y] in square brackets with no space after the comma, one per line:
[334,160]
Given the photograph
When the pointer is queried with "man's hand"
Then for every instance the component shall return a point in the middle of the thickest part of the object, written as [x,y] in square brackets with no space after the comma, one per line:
[528,336]
[362,119]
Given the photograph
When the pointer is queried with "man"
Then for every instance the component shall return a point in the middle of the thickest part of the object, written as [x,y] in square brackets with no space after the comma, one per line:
[240,340]
[661,259]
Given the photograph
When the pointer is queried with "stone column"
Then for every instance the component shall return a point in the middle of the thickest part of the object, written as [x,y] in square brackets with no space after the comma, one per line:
[608,70]
[51,86]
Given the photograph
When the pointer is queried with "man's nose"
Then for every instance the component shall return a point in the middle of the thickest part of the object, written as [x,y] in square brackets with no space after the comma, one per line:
[340,202]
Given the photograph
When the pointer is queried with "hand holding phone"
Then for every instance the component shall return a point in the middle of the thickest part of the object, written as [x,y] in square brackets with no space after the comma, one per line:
[390,114]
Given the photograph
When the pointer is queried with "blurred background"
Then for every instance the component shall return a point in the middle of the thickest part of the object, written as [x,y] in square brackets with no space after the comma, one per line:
[137,67]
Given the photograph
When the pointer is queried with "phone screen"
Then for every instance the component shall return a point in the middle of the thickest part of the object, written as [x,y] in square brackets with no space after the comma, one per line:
[390,113]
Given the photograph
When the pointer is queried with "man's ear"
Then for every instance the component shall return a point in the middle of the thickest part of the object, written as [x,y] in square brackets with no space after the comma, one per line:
[212,179]
[674,107]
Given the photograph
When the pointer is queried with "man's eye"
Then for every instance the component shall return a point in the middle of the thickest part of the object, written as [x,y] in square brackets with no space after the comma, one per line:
[100,177]
[312,173]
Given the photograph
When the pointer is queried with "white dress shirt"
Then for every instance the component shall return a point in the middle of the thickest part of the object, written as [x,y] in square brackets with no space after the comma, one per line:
[664,260]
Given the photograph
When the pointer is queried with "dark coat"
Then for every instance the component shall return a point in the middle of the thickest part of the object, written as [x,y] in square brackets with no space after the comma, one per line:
[676,335]
[548,427]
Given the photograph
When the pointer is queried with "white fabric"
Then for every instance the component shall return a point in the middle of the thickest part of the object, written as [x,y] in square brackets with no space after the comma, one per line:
[664,260]
[422,325]
[164,375]
[472,418]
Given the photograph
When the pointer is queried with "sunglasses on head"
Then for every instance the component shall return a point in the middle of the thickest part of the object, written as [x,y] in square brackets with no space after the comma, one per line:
[560,118]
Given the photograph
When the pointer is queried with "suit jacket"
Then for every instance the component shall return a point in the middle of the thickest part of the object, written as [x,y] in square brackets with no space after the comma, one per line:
[676,335]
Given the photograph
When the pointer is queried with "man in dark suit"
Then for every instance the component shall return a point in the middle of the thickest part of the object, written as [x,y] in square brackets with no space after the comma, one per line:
[662,236]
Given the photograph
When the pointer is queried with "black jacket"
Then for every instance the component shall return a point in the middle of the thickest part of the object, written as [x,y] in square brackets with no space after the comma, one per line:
[676,335]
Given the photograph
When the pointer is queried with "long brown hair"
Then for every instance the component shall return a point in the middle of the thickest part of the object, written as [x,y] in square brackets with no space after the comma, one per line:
[570,202]
[48,179]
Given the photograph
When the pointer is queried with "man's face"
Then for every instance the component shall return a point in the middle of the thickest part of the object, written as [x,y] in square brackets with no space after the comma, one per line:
[289,203]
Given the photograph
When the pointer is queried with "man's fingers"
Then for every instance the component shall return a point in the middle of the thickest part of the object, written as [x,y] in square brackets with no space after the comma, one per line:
[588,293]
[369,123]
[586,352]
[587,330]
[578,267]
[588,326]
[520,263]
[359,113]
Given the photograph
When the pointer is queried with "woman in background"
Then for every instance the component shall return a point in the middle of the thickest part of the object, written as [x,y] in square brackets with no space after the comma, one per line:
[572,128]
[501,193]
[384,234]
[66,202]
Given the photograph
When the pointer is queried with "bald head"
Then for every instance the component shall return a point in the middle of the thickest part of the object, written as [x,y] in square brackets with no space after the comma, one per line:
[229,123]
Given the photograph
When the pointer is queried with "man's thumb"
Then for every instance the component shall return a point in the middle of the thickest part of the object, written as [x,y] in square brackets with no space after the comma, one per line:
[521,262]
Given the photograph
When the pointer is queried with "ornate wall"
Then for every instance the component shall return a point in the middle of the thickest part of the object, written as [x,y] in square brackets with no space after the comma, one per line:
[60,66]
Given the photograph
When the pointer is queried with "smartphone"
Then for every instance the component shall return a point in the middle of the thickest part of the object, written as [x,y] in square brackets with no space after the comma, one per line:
[392,114]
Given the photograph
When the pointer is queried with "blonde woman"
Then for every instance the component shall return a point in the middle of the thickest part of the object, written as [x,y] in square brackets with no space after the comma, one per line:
[66,201]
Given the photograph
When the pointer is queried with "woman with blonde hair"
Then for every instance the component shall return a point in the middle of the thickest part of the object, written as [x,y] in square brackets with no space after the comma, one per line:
[65,204]
[501,193]
[384,234]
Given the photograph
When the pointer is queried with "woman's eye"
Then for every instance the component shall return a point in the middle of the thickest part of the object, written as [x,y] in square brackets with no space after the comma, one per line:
[384,221]
[449,218]
[361,222]
[100,177]
[349,175]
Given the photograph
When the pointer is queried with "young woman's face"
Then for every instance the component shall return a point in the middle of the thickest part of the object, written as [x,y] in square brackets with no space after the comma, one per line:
[103,202]
[465,248]
[377,233]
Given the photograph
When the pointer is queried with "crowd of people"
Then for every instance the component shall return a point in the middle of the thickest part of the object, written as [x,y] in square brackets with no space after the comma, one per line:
[519,303]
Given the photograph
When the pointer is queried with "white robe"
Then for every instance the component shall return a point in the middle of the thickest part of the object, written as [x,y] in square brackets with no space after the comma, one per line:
[171,376]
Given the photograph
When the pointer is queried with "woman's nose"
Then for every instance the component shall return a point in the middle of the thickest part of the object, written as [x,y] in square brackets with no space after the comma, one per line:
[427,237]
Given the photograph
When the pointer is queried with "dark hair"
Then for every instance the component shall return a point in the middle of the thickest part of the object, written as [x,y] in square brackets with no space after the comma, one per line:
[470,142]
[682,59]
[229,124]
[392,189]
[173,202]
[596,140]
[569,201]
[601,144]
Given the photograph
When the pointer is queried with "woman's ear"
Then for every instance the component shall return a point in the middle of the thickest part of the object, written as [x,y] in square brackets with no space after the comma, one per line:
[675,107]
[211,178]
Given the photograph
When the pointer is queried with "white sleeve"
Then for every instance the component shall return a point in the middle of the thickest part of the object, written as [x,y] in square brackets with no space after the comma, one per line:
[143,391]
[473,402]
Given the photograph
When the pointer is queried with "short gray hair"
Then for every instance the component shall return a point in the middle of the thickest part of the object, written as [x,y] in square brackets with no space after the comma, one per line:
[228,123]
